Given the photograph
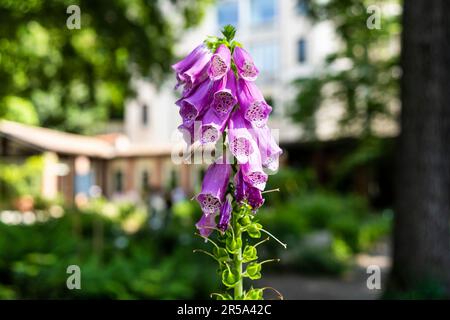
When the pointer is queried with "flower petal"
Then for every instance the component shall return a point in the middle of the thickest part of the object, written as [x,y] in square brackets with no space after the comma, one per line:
[268,148]
[225,215]
[206,224]
[224,98]
[254,198]
[212,127]
[239,137]
[240,191]
[243,191]
[214,186]
[255,108]
[188,61]
[245,65]
[193,71]
[191,106]
[253,171]
[220,63]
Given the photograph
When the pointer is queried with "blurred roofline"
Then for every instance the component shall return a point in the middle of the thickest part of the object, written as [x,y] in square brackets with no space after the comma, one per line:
[102,146]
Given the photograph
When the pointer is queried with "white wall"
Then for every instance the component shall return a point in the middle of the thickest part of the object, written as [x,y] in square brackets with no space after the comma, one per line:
[162,114]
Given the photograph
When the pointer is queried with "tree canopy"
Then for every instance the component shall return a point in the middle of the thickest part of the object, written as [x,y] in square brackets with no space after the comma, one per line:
[362,74]
[75,78]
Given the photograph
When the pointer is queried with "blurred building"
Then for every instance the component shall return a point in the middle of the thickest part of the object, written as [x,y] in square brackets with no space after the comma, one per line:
[285,46]
[79,167]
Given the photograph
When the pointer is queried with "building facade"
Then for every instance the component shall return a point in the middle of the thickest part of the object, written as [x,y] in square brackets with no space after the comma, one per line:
[285,46]
[78,167]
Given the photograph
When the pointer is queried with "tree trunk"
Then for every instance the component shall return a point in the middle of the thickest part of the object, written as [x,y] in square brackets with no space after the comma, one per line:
[422,221]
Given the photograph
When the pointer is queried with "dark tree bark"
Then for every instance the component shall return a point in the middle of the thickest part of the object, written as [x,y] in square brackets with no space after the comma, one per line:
[422,221]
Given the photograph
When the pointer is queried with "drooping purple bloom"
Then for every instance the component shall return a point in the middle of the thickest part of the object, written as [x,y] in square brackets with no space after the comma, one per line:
[187,62]
[214,186]
[192,105]
[191,133]
[212,127]
[199,54]
[245,66]
[243,191]
[210,93]
[254,198]
[240,187]
[224,98]
[220,63]
[193,69]
[253,172]
[252,102]
[187,132]
[240,139]
[225,215]
[206,224]
[268,148]
[215,118]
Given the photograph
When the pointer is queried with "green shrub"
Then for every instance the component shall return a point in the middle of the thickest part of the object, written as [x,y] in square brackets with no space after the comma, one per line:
[114,264]
[291,182]
[425,290]
[319,262]
[20,179]
[351,225]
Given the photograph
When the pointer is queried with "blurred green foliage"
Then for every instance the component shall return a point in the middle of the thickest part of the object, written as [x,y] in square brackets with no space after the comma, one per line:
[323,229]
[359,83]
[76,78]
[122,256]
[20,179]
[18,109]
[430,289]
[291,181]
[115,264]
[362,74]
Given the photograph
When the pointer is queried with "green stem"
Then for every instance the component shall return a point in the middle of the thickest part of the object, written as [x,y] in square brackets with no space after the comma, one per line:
[237,259]
[207,240]
[262,241]
[275,238]
[205,252]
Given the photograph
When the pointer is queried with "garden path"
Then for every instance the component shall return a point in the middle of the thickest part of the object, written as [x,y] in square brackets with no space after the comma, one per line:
[353,285]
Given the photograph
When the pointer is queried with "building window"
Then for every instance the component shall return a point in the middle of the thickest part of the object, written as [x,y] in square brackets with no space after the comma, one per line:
[145,180]
[301,51]
[262,11]
[227,13]
[144,115]
[118,181]
[83,183]
[302,7]
[265,56]
[173,183]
